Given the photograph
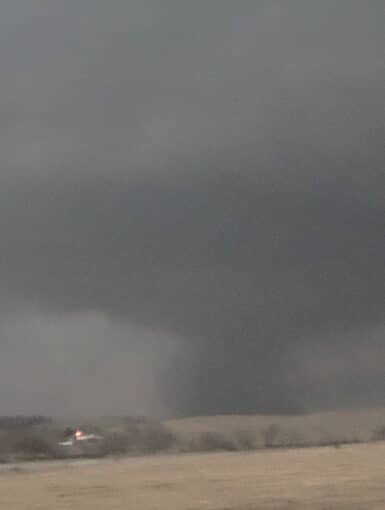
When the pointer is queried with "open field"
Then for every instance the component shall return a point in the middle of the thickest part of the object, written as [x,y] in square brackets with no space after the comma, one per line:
[350,477]
[312,429]
[130,435]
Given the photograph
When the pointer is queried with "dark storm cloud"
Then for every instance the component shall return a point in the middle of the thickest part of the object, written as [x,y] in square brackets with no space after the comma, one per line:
[208,172]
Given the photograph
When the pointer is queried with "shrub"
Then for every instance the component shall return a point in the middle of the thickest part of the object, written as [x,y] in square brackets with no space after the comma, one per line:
[270,435]
[143,438]
[379,434]
[31,445]
[245,439]
[212,441]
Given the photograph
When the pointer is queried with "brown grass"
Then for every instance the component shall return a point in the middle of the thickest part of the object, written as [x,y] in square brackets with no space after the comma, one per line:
[309,429]
[124,436]
[351,477]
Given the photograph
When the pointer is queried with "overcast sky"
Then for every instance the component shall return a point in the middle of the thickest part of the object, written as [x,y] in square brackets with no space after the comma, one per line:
[192,206]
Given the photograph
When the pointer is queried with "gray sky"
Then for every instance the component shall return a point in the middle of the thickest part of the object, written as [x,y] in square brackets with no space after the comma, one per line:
[192,206]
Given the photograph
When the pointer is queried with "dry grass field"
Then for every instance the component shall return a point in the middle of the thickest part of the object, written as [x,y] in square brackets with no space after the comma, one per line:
[312,429]
[346,478]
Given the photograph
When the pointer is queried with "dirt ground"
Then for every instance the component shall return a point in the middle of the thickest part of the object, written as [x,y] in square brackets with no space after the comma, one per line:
[350,477]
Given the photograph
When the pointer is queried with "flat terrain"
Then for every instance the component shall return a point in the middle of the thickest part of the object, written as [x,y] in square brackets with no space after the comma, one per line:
[311,428]
[350,477]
